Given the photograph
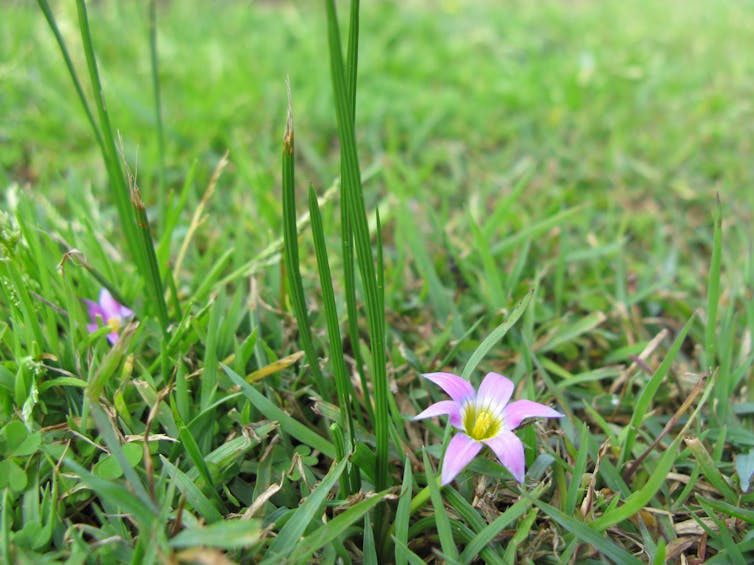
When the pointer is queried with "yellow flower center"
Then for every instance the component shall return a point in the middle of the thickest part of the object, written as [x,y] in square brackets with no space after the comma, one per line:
[480,423]
[113,323]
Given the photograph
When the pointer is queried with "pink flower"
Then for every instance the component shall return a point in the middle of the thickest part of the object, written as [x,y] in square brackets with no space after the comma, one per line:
[483,418]
[109,313]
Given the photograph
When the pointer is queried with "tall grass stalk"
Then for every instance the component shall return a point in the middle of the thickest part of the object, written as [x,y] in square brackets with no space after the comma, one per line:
[342,382]
[365,259]
[349,274]
[155,67]
[140,247]
[290,253]
[354,203]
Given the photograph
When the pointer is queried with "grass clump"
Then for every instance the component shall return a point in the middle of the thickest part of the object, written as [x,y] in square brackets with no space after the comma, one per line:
[548,192]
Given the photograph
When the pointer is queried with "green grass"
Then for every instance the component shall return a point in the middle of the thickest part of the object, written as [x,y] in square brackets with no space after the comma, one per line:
[556,191]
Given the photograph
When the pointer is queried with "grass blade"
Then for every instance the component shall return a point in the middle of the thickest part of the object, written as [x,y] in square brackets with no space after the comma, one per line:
[349,274]
[107,433]
[289,537]
[713,288]
[141,248]
[579,468]
[639,498]
[709,468]
[522,532]
[290,254]
[588,535]
[442,522]
[155,67]
[152,274]
[403,515]
[5,550]
[729,509]
[497,334]
[342,382]
[195,497]
[489,532]
[228,534]
[45,7]
[335,527]
[287,423]
[649,391]
[354,202]
[142,511]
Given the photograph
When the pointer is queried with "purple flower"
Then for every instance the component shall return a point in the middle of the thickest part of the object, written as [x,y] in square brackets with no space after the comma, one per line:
[107,312]
[483,417]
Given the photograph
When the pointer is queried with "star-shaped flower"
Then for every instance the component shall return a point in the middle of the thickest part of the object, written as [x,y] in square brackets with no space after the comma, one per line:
[483,417]
[107,312]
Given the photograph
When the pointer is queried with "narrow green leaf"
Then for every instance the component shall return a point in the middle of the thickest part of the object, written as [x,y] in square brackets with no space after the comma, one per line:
[522,533]
[442,522]
[650,390]
[357,212]
[713,288]
[488,533]
[111,441]
[536,229]
[639,498]
[109,153]
[731,510]
[287,423]
[143,512]
[567,332]
[141,249]
[403,515]
[406,552]
[155,68]
[195,454]
[7,519]
[224,534]
[579,468]
[150,270]
[335,527]
[721,535]
[497,334]
[369,547]
[289,536]
[342,380]
[588,534]
[710,468]
[290,254]
[745,469]
[45,7]
[659,557]
[194,496]
[349,275]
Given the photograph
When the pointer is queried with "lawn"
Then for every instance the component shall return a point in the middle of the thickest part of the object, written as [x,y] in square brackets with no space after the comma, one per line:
[222,282]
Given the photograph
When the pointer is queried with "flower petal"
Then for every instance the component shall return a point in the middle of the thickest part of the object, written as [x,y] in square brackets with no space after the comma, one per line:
[110,306]
[510,451]
[461,450]
[495,391]
[458,389]
[94,310]
[442,408]
[112,337]
[517,411]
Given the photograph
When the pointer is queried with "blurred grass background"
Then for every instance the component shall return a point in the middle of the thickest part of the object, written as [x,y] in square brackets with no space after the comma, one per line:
[638,113]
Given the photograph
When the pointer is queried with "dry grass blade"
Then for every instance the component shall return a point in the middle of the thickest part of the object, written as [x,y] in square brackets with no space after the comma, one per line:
[197,219]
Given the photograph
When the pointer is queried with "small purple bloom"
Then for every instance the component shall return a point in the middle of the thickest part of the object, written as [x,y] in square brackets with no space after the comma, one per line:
[107,312]
[483,417]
